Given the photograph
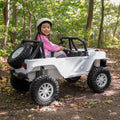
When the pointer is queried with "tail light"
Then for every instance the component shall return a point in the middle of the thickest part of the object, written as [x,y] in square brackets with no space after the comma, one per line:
[25,66]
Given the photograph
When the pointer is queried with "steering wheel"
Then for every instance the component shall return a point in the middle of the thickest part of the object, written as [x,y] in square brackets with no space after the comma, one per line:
[63,43]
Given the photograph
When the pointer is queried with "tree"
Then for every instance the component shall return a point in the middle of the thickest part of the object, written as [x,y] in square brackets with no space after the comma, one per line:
[90,14]
[30,17]
[117,23]
[69,17]
[15,9]
[101,25]
[6,19]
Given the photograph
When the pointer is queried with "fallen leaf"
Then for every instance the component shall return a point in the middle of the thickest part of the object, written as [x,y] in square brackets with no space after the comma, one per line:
[89,117]
[76,117]
[109,101]
[68,96]
[51,108]
[3,113]
[113,113]
[73,105]
[30,116]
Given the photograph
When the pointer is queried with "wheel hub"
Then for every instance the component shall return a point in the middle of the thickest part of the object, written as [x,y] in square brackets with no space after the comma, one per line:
[101,80]
[45,91]
[17,52]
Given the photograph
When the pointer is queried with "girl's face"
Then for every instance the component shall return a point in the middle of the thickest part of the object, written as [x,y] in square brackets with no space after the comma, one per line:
[46,28]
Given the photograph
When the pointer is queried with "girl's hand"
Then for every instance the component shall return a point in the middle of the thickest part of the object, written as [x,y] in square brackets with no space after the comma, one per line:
[62,48]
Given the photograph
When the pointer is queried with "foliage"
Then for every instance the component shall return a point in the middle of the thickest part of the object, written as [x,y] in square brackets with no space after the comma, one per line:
[69,18]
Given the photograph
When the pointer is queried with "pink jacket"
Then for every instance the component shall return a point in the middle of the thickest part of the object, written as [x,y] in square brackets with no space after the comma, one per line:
[48,46]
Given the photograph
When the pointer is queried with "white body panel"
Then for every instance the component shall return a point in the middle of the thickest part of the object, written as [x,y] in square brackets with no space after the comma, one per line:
[64,67]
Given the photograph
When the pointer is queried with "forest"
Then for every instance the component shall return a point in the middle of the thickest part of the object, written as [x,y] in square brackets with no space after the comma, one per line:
[95,21]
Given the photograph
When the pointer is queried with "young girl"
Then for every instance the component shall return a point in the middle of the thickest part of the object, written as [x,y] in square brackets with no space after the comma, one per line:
[44,26]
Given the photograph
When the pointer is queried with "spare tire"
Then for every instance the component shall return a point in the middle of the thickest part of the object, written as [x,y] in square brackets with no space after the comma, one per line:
[16,59]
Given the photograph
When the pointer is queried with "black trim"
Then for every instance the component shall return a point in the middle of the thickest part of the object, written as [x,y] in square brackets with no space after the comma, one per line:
[71,42]
[103,63]
[39,45]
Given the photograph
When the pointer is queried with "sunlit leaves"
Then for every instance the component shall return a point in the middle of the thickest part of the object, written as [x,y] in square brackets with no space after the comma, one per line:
[69,18]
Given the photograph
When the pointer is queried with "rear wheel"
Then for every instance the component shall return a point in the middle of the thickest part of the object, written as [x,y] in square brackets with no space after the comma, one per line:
[44,90]
[99,79]
[20,85]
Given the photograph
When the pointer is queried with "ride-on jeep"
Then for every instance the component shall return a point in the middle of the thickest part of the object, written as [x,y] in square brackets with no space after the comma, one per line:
[30,70]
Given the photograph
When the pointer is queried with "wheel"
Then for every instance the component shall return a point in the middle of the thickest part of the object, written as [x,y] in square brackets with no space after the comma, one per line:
[44,90]
[17,57]
[73,80]
[88,78]
[99,79]
[19,85]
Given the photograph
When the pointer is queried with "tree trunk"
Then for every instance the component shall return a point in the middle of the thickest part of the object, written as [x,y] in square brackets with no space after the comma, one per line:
[6,20]
[90,14]
[14,17]
[101,25]
[30,18]
[117,23]
[14,14]
[24,24]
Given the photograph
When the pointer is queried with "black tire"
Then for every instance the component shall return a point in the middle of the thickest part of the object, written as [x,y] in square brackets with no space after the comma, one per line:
[17,57]
[99,79]
[88,78]
[19,85]
[73,80]
[38,93]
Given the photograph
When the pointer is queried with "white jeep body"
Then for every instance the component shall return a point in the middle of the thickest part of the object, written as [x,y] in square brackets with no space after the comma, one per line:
[30,70]
[66,67]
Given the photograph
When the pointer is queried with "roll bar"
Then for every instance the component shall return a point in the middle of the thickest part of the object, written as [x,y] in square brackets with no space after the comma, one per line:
[71,42]
[40,45]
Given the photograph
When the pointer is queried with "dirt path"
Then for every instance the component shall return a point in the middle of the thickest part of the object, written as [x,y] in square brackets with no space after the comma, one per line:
[76,101]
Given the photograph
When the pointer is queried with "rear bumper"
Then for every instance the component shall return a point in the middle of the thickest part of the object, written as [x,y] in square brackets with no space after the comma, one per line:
[19,75]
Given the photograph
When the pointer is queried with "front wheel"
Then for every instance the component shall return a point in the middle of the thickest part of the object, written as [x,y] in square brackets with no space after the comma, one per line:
[99,79]
[44,90]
